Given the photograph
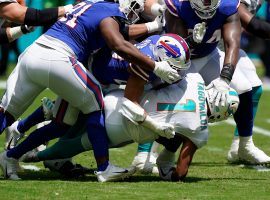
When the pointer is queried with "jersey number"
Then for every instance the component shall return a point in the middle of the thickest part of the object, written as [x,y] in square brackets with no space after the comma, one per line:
[82,7]
[189,106]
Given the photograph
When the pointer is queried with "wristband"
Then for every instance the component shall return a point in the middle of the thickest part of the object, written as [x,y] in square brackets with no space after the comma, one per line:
[227,72]
[15,32]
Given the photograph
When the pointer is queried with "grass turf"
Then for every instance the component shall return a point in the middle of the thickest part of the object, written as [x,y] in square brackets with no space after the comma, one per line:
[210,175]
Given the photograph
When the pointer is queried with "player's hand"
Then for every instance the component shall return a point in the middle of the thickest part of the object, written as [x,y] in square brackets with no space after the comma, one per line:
[165,72]
[199,32]
[158,9]
[156,25]
[220,91]
[165,130]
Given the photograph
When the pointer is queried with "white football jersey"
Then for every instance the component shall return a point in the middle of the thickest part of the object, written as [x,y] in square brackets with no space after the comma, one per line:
[182,105]
[5,1]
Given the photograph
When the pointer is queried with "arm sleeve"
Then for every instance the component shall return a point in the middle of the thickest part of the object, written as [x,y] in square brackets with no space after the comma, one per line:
[3,36]
[35,17]
[259,28]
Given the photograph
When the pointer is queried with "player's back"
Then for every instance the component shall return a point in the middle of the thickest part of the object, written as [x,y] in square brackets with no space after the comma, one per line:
[80,28]
[183,105]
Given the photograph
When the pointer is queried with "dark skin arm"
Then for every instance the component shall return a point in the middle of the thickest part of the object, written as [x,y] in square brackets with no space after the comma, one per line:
[110,31]
[231,33]
[253,25]
[244,14]
[185,157]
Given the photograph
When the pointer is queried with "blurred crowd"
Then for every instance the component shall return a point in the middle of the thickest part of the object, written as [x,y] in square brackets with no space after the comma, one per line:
[257,48]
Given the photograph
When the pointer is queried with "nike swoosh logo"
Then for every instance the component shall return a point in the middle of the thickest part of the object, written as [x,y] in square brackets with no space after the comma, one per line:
[122,172]
[9,143]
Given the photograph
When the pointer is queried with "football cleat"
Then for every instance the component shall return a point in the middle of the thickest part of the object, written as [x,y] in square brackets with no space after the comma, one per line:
[250,154]
[165,164]
[9,166]
[145,162]
[12,136]
[232,156]
[114,173]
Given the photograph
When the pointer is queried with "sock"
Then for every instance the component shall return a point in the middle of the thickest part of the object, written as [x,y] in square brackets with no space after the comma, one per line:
[36,117]
[146,147]
[36,138]
[98,137]
[256,95]
[62,149]
[244,115]
[6,120]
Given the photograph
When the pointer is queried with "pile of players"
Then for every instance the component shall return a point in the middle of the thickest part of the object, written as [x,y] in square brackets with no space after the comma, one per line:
[88,51]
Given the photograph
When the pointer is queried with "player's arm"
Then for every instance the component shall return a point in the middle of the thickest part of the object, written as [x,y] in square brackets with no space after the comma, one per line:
[175,25]
[138,30]
[10,34]
[30,16]
[185,157]
[231,33]
[253,25]
[110,31]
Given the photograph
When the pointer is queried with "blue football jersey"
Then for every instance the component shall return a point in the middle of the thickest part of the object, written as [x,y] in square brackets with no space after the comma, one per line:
[80,29]
[110,68]
[183,10]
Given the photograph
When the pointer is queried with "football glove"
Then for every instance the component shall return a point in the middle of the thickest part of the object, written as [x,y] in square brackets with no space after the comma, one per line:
[166,72]
[219,95]
[199,32]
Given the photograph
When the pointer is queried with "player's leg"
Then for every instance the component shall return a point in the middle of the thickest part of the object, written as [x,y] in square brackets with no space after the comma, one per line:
[247,151]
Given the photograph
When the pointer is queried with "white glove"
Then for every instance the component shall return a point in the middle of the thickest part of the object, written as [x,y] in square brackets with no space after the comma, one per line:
[199,32]
[220,91]
[165,130]
[165,72]
[155,25]
[158,9]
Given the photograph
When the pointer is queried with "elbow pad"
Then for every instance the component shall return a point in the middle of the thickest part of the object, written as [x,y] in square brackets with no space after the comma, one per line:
[3,36]
[35,17]
[259,28]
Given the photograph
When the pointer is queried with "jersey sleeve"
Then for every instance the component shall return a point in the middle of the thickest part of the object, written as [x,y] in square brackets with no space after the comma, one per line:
[172,7]
[229,7]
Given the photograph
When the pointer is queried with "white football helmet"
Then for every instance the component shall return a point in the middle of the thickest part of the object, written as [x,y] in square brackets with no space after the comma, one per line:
[205,9]
[173,49]
[219,113]
[131,9]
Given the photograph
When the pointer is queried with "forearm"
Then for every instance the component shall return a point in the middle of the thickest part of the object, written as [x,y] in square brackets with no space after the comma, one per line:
[131,54]
[137,30]
[30,16]
[185,157]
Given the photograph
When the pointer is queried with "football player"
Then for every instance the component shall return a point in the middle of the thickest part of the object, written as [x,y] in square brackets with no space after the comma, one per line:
[54,62]
[107,71]
[258,28]
[185,105]
[209,21]
[13,11]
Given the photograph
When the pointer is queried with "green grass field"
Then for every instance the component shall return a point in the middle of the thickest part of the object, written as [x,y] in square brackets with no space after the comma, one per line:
[210,175]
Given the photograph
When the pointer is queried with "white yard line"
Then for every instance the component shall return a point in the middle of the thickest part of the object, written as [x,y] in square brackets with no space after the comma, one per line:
[255,128]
